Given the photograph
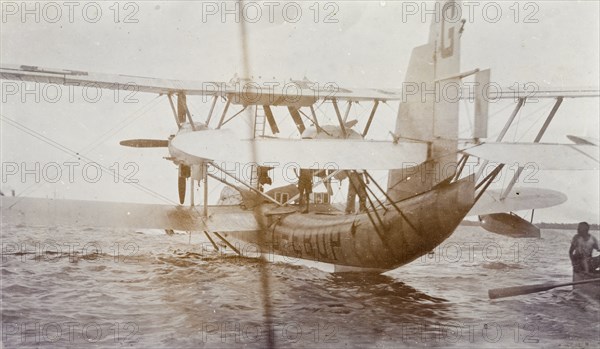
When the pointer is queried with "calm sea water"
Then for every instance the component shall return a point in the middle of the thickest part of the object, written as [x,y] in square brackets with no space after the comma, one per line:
[121,289]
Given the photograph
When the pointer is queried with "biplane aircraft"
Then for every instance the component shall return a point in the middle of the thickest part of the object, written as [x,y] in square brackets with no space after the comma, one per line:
[427,195]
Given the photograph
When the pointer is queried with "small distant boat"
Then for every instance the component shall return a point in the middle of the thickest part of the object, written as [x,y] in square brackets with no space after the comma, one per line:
[590,289]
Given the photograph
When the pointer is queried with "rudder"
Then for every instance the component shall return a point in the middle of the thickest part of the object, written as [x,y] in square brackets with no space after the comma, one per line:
[429,109]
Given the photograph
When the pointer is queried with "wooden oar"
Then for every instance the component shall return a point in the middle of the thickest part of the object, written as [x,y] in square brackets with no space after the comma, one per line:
[519,290]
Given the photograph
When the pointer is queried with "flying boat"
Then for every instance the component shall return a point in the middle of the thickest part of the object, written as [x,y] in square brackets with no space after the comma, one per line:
[428,191]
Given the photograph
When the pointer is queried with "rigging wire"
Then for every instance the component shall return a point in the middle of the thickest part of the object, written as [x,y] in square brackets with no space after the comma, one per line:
[489,117]
[121,125]
[542,115]
[91,146]
[74,153]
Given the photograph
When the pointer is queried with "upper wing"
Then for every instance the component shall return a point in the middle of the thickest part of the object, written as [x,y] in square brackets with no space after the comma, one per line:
[224,146]
[539,93]
[76,213]
[303,93]
[110,81]
[542,155]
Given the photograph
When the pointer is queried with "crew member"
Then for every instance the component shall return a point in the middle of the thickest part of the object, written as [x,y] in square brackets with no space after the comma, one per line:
[356,186]
[582,246]
[305,187]
[263,177]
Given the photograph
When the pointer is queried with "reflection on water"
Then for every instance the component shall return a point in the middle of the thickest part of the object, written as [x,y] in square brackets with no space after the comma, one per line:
[400,300]
[81,289]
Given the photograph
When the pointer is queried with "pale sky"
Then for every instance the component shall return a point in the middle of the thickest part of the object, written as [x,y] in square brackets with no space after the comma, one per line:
[369,46]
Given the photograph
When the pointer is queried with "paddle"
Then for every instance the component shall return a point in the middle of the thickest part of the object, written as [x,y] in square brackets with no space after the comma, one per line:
[519,290]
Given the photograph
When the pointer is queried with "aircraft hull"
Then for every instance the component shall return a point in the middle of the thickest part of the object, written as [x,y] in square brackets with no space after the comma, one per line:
[364,241]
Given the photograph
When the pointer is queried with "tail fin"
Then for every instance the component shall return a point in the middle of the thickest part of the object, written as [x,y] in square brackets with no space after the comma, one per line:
[429,109]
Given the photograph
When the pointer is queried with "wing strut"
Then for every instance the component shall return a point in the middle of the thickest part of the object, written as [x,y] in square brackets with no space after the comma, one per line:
[246,184]
[205,185]
[382,236]
[211,241]
[537,139]
[212,109]
[227,243]
[486,182]
[339,117]
[233,116]
[347,111]
[314,116]
[224,113]
[559,101]
[314,121]
[297,119]
[503,132]
[389,199]
[183,111]
[373,111]
[461,165]
[174,111]
[271,119]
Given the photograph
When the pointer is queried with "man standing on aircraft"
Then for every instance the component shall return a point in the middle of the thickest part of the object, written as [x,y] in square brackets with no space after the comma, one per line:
[305,187]
[263,177]
[356,186]
[582,246]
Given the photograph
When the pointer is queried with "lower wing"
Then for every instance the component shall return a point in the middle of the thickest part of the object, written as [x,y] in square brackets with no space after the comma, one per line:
[77,213]
[541,155]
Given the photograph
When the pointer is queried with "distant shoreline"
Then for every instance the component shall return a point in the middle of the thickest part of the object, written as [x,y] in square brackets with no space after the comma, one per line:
[564,226]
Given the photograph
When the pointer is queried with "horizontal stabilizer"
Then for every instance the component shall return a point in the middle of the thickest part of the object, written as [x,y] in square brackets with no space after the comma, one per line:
[97,214]
[520,199]
[543,156]
[223,146]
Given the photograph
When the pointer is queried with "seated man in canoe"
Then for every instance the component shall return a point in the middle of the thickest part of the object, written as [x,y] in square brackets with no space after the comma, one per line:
[582,247]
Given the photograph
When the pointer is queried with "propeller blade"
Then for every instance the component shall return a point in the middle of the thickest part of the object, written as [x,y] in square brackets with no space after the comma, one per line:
[145,143]
[181,184]
[184,173]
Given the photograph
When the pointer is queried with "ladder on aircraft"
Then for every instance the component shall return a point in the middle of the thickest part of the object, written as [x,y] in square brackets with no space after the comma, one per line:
[260,120]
